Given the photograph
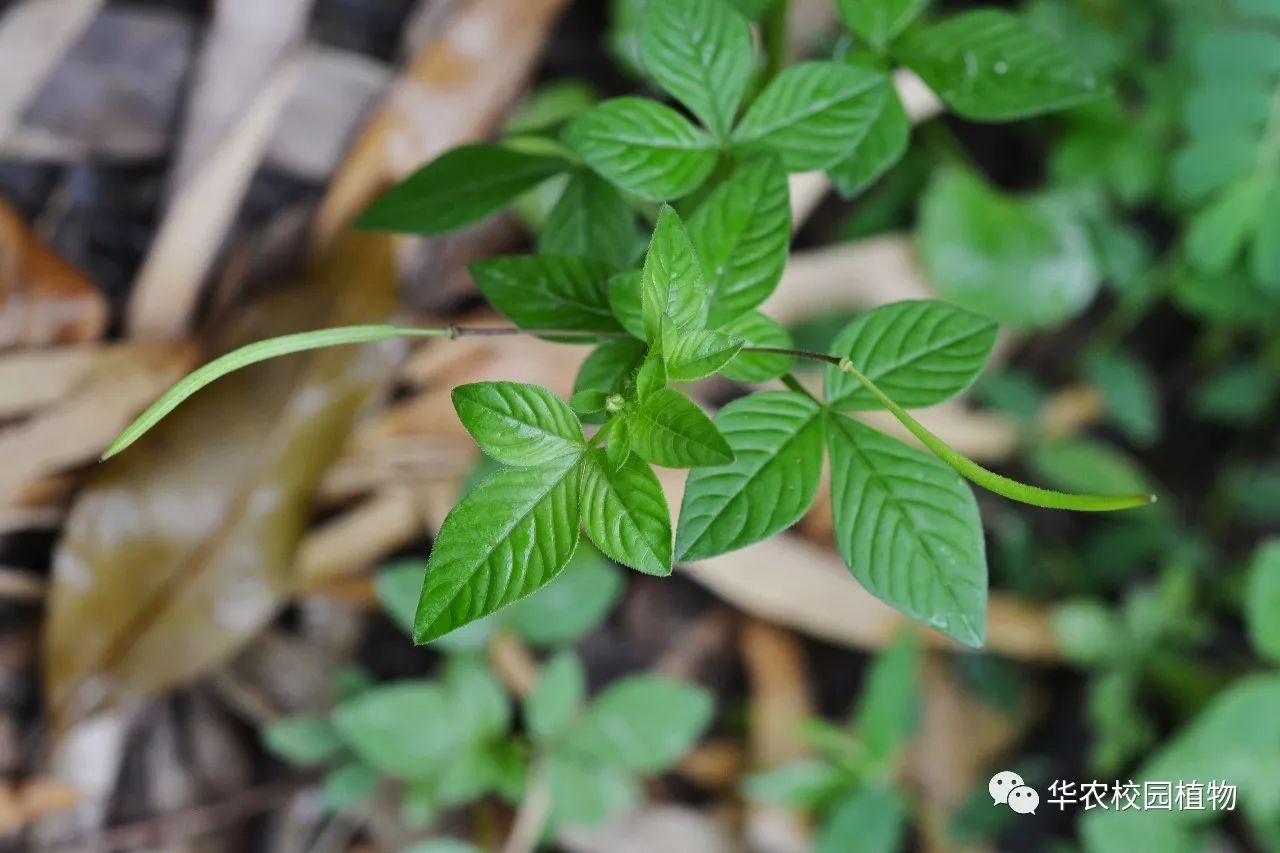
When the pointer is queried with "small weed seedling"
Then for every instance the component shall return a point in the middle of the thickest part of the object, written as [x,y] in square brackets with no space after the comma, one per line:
[852,786]
[450,743]
[683,305]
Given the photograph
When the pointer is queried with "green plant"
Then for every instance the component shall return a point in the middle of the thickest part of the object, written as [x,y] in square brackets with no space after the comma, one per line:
[684,306]
[452,742]
[449,743]
[852,784]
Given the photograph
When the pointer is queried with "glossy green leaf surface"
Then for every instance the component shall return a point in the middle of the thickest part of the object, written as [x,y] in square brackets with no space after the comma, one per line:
[549,291]
[908,528]
[878,21]
[699,51]
[919,353]
[742,234]
[811,114]
[672,283]
[690,354]
[668,429]
[457,189]
[757,330]
[989,65]
[518,424]
[624,512]
[777,441]
[879,148]
[644,147]
[591,220]
[508,537]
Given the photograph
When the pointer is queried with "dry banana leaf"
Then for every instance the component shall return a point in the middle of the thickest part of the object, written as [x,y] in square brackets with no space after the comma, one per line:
[178,551]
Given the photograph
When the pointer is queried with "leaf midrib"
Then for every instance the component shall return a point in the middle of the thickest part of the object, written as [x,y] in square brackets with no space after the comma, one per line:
[910,522]
[877,375]
[604,475]
[643,414]
[814,108]
[505,534]
[815,414]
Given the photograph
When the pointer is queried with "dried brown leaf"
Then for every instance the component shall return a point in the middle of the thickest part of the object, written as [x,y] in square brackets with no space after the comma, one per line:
[43,299]
[178,551]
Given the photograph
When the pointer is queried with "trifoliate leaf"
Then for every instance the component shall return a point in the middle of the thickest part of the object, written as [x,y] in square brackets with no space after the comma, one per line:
[990,65]
[668,429]
[457,189]
[556,698]
[699,51]
[591,220]
[508,537]
[918,352]
[742,234]
[672,283]
[757,330]
[908,528]
[643,723]
[549,292]
[518,424]
[643,147]
[624,512]
[1022,263]
[812,114]
[776,438]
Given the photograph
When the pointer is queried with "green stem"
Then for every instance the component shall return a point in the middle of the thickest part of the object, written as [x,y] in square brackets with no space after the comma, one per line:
[990,480]
[348,335]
